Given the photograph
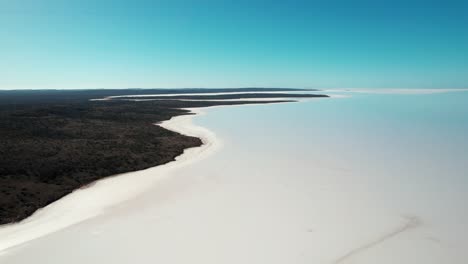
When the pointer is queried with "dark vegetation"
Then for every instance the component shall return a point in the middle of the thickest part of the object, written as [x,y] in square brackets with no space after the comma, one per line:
[61,96]
[226,96]
[53,142]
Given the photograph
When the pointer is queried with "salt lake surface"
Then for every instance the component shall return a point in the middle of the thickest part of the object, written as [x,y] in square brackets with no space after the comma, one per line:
[370,178]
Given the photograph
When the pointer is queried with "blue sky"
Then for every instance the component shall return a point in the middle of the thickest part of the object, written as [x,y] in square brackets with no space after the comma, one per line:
[314,44]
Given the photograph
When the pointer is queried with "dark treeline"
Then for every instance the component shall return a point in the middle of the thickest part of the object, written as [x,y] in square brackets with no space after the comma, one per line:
[61,96]
[227,96]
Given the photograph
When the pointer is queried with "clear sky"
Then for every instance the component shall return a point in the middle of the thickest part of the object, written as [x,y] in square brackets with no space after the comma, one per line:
[340,44]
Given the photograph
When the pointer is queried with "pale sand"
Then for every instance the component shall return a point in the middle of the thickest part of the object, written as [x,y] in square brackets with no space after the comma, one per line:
[247,204]
[272,195]
[89,202]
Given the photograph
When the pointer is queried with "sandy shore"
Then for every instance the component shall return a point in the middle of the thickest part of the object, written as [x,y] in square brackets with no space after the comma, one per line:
[292,184]
[86,203]
[102,195]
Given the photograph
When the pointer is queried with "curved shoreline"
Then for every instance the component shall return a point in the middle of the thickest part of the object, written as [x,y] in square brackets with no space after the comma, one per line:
[85,203]
[101,195]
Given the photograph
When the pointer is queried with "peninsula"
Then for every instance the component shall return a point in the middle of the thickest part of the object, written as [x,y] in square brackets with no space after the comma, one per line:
[53,142]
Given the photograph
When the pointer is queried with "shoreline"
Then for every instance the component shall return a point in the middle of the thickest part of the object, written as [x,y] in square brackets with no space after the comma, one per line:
[101,195]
